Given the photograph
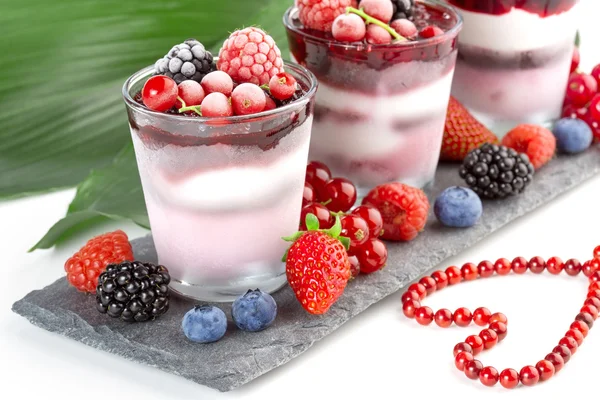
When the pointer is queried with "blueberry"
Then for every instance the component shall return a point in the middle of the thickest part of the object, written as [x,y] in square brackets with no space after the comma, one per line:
[572,135]
[254,311]
[458,207]
[204,324]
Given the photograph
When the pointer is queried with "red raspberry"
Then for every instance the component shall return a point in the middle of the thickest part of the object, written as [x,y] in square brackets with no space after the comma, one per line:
[84,267]
[404,210]
[431,31]
[536,141]
[250,55]
[320,14]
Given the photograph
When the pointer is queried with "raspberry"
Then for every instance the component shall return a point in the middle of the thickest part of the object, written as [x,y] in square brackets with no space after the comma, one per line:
[404,210]
[248,99]
[431,31]
[536,141]
[250,55]
[84,267]
[320,14]
[349,28]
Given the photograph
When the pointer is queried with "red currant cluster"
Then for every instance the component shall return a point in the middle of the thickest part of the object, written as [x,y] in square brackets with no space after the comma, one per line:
[325,197]
[582,98]
[496,323]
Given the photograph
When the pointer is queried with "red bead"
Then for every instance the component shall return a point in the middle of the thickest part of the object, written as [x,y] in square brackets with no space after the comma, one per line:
[545,369]
[594,291]
[509,378]
[592,310]
[473,368]
[410,295]
[462,359]
[557,360]
[469,272]
[536,265]
[485,269]
[489,337]
[591,266]
[570,343]
[562,351]
[420,289]
[529,375]
[581,327]
[454,275]
[502,266]
[409,308]
[443,318]
[424,315]
[489,376]
[441,279]
[429,283]
[592,301]
[572,267]
[585,317]
[462,317]
[462,346]
[575,334]
[595,277]
[554,265]
[476,343]
[519,265]
[500,329]
[498,317]
[481,316]
[597,252]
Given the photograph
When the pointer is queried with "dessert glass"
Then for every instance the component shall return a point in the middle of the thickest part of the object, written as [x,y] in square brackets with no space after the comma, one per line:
[380,109]
[514,59]
[222,192]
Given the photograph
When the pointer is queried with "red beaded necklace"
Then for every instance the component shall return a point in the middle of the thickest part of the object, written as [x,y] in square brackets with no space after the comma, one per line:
[496,330]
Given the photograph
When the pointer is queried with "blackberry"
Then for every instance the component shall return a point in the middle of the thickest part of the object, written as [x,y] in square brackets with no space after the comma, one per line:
[496,172]
[188,60]
[403,9]
[133,291]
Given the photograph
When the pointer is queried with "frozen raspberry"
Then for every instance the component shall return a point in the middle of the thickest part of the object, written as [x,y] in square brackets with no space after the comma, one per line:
[431,31]
[404,210]
[536,141]
[84,267]
[282,86]
[378,35]
[191,93]
[383,10]
[405,28]
[217,81]
[320,14]
[248,98]
[349,28]
[250,55]
[216,105]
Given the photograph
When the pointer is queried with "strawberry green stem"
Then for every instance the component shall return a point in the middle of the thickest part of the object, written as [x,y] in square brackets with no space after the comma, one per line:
[370,20]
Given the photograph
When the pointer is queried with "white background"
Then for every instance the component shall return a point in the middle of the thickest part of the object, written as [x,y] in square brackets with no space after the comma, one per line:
[379,354]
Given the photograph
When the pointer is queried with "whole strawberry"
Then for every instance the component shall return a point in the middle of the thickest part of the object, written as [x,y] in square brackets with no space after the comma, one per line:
[462,133]
[317,265]
[84,267]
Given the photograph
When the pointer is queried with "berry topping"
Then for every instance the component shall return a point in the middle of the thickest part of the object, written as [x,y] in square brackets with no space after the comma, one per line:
[250,55]
[572,135]
[248,98]
[431,31]
[403,9]
[320,14]
[216,105]
[403,208]
[349,28]
[318,174]
[188,60]
[378,35]
[84,267]
[458,207]
[204,324]
[340,194]
[462,133]
[356,229]
[581,88]
[191,93]
[575,60]
[405,28]
[320,211]
[372,256]
[217,81]
[380,9]
[496,172]
[254,311]
[536,141]
[282,86]
[373,218]
[159,93]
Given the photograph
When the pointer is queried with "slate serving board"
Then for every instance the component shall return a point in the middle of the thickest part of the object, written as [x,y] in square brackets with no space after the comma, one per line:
[240,356]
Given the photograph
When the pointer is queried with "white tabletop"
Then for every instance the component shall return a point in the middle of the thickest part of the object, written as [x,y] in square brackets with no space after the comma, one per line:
[378,354]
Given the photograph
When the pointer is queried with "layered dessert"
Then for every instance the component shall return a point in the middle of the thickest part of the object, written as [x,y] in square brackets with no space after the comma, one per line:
[222,163]
[382,96]
[514,59]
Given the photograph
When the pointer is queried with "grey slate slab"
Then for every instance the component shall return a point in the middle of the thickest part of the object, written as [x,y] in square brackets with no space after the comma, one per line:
[240,357]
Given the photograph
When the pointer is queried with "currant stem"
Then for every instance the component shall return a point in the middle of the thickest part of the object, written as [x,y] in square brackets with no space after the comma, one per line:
[183,105]
[265,86]
[196,109]
[370,20]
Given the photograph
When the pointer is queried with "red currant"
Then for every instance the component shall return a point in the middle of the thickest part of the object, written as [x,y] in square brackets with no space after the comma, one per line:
[191,93]
[341,194]
[575,60]
[572,111]
[160,93]
[282,86]
[318,174]
[354,266]
[308,196]
[372,256]
[320,211]
[431,31]
[581,89]
[594,108]
[373,218]
[356,229]
[596,74]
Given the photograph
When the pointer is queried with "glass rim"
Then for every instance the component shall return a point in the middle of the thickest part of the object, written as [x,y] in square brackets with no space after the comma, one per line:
[408,44]
[147,71]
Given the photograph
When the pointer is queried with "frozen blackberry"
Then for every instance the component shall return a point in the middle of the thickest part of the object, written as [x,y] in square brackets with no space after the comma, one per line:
[403,9]
[133,291]
[188,60]
[496,172]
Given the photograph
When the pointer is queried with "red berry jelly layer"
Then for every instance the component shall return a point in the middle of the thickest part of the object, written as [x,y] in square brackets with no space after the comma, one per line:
[543,8]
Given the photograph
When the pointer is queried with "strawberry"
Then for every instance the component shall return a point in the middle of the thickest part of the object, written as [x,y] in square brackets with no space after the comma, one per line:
[462,133]
[317,265]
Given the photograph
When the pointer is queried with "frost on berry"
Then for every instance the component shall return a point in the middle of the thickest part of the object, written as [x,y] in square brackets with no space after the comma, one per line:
[320,14]
[378,35]
[216,105]
[248,98]
[349,28]
[380,9]
[217,81]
